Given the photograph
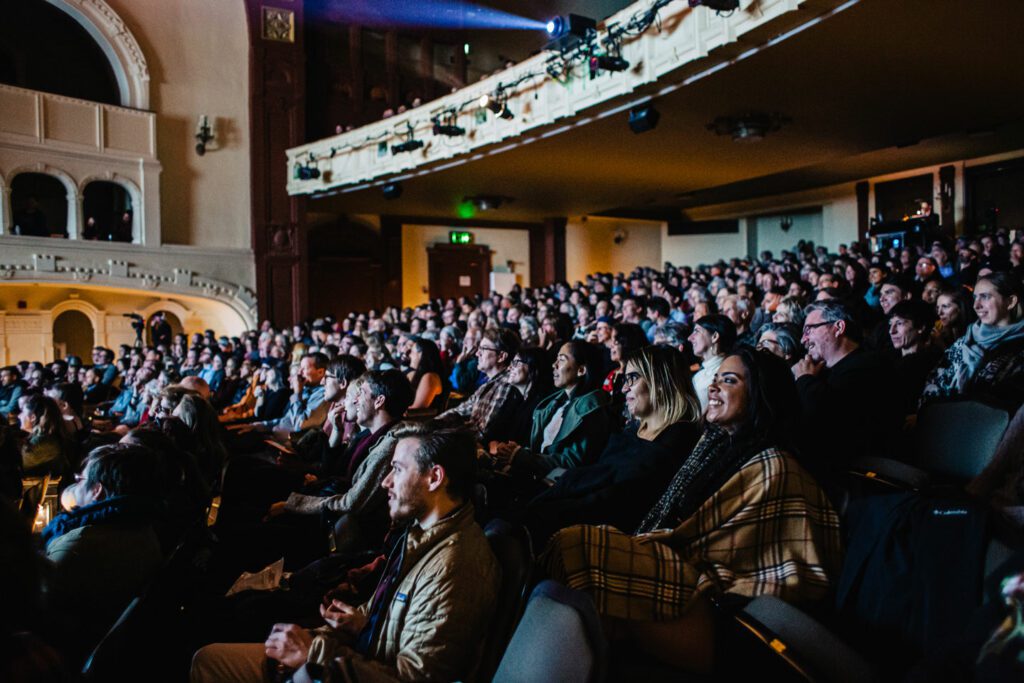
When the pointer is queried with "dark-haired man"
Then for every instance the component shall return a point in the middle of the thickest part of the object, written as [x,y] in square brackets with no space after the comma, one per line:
[306,408]
[435,597]
[10,390]
[495,401]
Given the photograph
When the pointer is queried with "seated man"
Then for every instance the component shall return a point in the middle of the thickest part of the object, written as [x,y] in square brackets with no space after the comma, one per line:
[850,405]
[11,387]
[435,598]
[381,400]
[307,407]
[494,402]
[105,550]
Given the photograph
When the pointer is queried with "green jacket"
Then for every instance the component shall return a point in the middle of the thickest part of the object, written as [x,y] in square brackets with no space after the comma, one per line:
[580,440]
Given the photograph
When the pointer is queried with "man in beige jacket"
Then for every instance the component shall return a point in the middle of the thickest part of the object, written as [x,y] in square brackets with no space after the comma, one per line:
[431,608]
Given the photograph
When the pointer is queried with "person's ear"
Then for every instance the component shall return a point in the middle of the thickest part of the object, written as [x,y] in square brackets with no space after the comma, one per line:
[436,478]
[840,328]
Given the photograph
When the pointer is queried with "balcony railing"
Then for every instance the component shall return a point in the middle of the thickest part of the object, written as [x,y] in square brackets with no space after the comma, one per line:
[78,142]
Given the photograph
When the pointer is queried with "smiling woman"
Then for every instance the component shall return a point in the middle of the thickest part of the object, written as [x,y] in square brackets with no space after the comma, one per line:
[989,358]
[716,528]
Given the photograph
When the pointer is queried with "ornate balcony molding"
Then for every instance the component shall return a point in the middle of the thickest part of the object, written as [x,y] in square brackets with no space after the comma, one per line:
[35,263]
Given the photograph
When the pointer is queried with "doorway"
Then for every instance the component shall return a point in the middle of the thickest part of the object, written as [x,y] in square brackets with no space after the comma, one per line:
[72,335]
[458,270]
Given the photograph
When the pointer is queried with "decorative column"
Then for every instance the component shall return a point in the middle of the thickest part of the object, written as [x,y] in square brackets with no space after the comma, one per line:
[277,122]
[6,221]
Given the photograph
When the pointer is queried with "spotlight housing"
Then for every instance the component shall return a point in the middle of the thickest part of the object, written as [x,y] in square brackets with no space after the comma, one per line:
[448,129]
[748,127]
[643,118]
[487,202]
[392,190]
[568,32]
[307,172]
[407,146]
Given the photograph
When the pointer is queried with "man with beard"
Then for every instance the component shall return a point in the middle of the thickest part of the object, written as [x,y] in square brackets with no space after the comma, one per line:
[434,599]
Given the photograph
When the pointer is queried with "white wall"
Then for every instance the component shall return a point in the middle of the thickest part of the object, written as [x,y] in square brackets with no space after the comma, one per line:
[197,52]
[693,250]
[770,235]
[590,246]
[506,245]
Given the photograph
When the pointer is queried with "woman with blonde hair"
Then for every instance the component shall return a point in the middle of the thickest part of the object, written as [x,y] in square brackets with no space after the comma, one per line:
[634,466]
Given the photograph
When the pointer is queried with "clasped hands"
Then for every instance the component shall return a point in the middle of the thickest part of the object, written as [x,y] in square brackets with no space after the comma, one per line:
[289,644]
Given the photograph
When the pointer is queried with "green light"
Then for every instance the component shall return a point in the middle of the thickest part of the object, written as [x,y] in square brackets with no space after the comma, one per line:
[460,237]
[466,210]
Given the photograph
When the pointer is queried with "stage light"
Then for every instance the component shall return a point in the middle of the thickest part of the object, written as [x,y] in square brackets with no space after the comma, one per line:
[506,113]
[448,129]
[307,172]
[392,190]
[643,118]
[599,63]
[407,146]
[568,32]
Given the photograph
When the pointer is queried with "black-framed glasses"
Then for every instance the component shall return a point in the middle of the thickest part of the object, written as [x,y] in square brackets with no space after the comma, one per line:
[810,326]
[486,348]
[630,379]
[517,361]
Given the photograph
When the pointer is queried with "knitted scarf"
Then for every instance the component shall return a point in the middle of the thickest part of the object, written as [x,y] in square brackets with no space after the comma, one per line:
[116,510]
[712,461]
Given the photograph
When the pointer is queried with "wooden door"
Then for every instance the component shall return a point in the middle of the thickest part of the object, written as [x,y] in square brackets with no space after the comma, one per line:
[458,270]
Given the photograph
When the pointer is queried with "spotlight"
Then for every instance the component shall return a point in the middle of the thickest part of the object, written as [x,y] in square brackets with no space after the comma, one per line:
[643,118]
[506,113]
[497,104]
[717,5]
[392,190]
[407,146]
[487,202]
[599,63]
[449,129]
[568,32]
[748,127]
[305,172]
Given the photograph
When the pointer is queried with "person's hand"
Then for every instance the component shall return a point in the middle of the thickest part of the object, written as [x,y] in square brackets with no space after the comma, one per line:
[656,536]
[343,617]
[336,416]
[807,366]
[297,383]
[276,510]
[468,351]
[288,644]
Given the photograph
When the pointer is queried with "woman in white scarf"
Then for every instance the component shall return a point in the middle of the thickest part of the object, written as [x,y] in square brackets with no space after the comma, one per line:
[989,358]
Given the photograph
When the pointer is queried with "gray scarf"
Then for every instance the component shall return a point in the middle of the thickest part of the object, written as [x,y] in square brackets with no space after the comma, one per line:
[972,349]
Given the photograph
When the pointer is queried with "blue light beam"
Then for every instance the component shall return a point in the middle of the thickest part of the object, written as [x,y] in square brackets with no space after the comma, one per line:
[450,14]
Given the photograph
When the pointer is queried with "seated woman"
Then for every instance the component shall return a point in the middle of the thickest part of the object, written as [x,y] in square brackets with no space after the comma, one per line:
[910,326]
[954,316]
[426,375]
[570,427]
[712,337]
[741,516]
[989,359]
[782,340]
[45,449]
[631,473]
[528,373]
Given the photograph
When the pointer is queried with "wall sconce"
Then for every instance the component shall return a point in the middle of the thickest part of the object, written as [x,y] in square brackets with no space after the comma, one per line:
[204,134]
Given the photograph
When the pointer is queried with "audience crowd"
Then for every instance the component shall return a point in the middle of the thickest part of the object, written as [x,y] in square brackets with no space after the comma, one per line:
[667,437]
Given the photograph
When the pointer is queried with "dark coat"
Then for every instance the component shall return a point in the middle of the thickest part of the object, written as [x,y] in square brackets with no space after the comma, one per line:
[581,438]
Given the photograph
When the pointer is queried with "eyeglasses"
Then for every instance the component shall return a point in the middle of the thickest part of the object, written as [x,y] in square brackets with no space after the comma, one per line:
[810,326]
[517,361]
[630,379]
[486,348]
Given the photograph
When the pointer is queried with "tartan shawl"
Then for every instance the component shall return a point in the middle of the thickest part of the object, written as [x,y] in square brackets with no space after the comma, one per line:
[768,530]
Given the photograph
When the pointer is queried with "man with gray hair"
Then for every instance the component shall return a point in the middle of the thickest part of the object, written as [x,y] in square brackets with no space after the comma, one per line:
[846,393]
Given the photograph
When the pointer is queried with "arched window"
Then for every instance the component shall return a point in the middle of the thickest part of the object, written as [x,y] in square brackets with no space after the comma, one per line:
[40,205]
[108,212]
[44,48]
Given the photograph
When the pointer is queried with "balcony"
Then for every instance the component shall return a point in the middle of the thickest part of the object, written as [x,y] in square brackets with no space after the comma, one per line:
[77,143]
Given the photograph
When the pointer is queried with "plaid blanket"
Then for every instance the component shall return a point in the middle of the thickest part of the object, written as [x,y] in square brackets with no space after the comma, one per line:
[768,530]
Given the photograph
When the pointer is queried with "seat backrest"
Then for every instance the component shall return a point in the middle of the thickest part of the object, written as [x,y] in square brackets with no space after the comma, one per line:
[957,439]
[558,639]
[808,646]
[106,662]
[511,546]
[32,496]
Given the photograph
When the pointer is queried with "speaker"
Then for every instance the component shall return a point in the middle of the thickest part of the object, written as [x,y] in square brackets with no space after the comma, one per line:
[392,190]
[643,118]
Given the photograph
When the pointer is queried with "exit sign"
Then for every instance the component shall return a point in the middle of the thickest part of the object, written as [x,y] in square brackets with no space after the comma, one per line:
[460,237]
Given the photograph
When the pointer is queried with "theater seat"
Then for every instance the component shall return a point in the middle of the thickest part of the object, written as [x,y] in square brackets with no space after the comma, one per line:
[558,639]
[953,442]
[805,644]
[511,545]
